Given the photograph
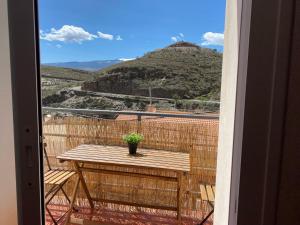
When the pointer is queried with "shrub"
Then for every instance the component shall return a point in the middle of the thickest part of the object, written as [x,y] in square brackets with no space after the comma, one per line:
[133,138]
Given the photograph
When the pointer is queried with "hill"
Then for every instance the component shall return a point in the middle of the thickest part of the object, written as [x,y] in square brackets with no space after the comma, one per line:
[88,65]
[66,73]
[180,71]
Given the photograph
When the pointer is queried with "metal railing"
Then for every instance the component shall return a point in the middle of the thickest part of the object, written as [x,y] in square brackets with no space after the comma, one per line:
[139,114]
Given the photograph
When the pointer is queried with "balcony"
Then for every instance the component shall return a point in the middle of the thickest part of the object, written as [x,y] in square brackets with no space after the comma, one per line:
[194,134]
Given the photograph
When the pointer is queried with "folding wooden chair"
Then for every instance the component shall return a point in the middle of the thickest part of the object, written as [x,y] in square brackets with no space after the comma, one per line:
[56,179]
[207,194]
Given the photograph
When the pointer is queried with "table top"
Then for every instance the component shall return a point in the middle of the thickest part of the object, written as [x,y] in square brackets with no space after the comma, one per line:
[116,155]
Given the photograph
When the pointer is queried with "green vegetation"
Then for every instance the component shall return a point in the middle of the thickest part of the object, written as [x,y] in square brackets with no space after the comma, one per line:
[133,138]
[184,70]
[55,79]
[66,74]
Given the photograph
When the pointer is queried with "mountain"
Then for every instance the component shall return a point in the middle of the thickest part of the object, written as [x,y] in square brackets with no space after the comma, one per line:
[88,66]
[179,71]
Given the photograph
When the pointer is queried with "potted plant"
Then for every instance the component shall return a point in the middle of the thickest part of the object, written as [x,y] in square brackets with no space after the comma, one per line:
[133,139]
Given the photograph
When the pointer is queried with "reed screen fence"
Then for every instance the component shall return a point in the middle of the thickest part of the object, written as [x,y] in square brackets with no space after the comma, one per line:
[198,137]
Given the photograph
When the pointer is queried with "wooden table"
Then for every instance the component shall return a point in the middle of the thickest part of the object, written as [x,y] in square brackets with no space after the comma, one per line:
[118,156]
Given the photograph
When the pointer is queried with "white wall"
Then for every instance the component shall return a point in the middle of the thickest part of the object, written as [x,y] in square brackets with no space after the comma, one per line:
[227,111]
[8,204]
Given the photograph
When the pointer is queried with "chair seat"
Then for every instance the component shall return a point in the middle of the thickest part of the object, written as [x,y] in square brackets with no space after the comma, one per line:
[57,177]
[207,193]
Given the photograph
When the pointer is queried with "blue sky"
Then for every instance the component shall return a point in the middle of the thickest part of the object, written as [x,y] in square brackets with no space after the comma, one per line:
[83,30]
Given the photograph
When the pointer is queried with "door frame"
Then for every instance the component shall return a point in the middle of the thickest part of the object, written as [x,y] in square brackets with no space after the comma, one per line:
[24,55]
[263,55]
[261,98]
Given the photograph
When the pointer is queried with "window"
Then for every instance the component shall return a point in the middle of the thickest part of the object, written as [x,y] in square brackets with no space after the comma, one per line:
[28,170]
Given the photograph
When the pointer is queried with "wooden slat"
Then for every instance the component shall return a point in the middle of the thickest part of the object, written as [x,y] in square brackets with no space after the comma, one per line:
[61,174]
[126,159]
[116,155]
[132,163]
[203,193]
[214,189]
[131,174]
[62,177]
[123,155]
[65,178]
[117,149]
[54,177]
[50,176]
[119,152]
[210,193]
[47,173]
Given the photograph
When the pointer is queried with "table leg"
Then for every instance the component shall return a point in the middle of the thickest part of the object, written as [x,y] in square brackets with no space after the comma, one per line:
[179,196]
[78,170]
[73,198]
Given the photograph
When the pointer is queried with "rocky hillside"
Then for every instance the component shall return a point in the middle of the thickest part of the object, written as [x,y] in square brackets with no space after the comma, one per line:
[179,71]
[66,73]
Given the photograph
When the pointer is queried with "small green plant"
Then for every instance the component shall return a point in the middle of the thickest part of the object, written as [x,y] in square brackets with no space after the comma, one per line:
[133,138]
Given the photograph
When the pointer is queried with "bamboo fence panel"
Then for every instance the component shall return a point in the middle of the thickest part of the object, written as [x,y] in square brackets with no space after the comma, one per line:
[194,136]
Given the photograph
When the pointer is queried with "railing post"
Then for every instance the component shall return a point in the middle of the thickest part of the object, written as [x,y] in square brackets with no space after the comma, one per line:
[139,125]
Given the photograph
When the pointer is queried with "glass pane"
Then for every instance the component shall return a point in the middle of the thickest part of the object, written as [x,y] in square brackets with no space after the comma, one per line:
[131,96]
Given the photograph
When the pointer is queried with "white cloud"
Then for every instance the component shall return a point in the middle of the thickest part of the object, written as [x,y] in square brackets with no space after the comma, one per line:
[58,46]
[119,38]
[67,33]
[174,39]
[105,36]
[210,38]
[127,59]
[70,33]
[178,37]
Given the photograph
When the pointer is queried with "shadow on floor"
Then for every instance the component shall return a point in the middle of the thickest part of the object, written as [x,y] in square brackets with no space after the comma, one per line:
[106,216]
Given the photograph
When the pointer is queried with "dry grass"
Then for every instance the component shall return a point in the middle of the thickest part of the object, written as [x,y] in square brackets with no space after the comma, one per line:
[197,137]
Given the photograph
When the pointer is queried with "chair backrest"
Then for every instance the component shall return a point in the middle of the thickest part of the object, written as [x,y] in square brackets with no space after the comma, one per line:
[46,156]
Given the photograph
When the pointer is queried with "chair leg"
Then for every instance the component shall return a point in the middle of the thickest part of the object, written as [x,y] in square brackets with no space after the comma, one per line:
[72,200]
[51,216]
[65,194]
[68,199]
[206,218]
[53,191]
[52,196]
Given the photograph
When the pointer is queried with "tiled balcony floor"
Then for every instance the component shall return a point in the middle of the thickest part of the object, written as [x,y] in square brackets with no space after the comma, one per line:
[106,216]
